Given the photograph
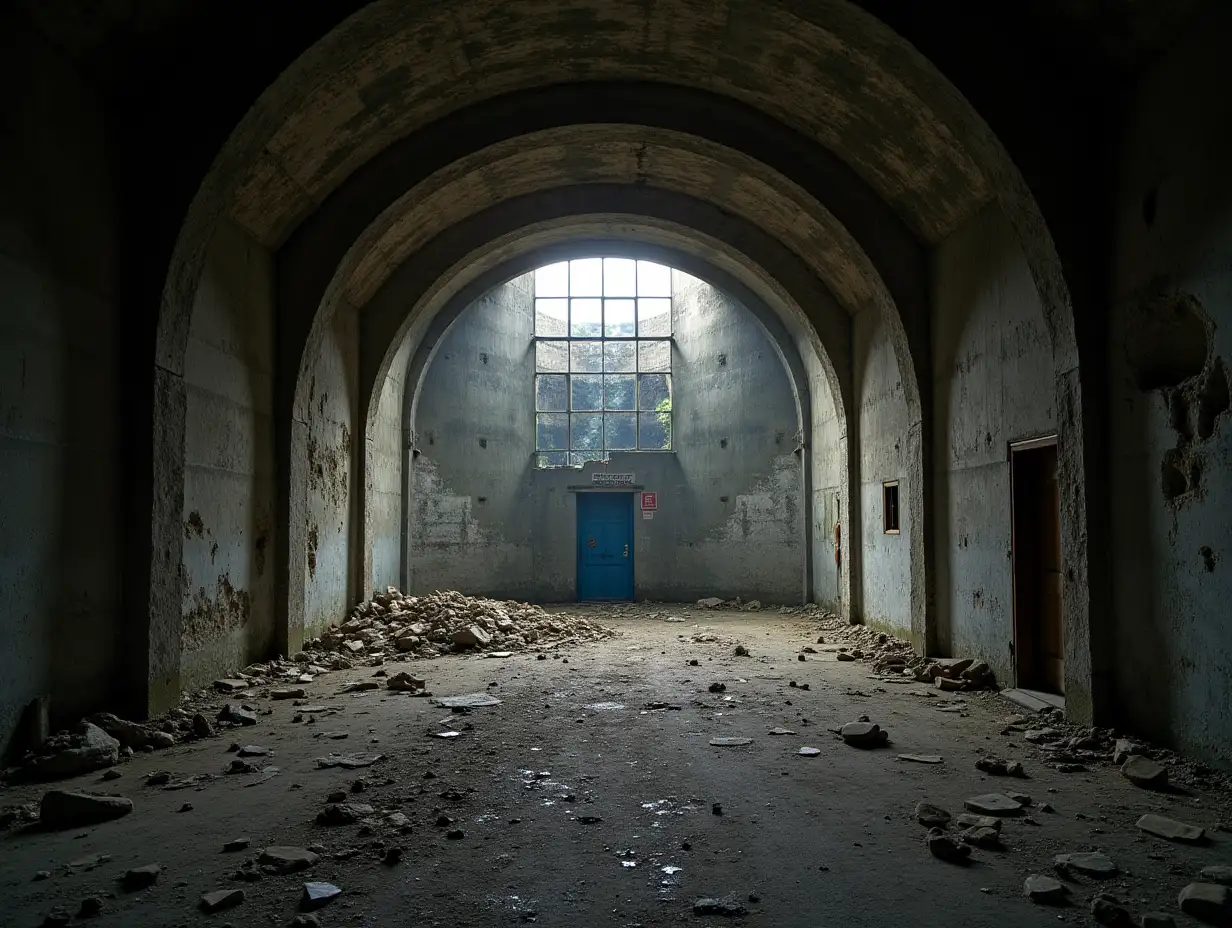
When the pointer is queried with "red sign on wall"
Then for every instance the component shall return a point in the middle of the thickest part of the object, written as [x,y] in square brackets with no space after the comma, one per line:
[650,502]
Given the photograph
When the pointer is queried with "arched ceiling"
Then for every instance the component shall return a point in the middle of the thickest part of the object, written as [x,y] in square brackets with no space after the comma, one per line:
[821,67]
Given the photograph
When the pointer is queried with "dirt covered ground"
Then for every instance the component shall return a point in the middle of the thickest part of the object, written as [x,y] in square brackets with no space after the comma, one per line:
[589,795]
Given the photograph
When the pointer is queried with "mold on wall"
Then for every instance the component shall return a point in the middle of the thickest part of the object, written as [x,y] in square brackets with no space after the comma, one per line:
[229,476]
[731,516]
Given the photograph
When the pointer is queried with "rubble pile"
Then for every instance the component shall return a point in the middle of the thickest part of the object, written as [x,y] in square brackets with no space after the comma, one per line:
[730,605]
[447,622]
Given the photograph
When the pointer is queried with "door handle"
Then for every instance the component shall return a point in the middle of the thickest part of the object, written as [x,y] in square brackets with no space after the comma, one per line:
[626,550]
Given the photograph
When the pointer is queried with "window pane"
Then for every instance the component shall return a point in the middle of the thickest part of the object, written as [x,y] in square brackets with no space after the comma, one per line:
[618,318]
[552,280]
[554,459]
[620,357]
[654,318]
[551,318]
[552,356]
[654,431]
[587,318]
[619,392]
[552,393]
[587,432]
[587,392]
[620,430]
[586,277]
[654,356]
[619,277]
[654,392]
[578,458]
[586,357]
[653,279]
[552,432]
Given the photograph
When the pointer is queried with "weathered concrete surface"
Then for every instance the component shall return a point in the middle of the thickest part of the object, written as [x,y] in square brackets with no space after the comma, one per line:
[992,384]
[229,487]
[383,480]
[484,520]
[1171,344]
[884,455]
[59,419]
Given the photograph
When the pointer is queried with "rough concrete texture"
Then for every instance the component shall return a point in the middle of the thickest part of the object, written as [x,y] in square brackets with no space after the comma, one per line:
[485,520]
[329,558]
[384,513]
[573,760]
[60,507]
[229,487]
[884,445]
[827,457]
[992,385]
[1168,375]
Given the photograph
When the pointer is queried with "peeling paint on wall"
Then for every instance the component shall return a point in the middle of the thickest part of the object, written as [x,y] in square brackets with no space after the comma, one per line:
[207,618]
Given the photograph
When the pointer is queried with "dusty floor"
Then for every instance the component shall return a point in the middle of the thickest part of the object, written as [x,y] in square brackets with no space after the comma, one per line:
[825,840]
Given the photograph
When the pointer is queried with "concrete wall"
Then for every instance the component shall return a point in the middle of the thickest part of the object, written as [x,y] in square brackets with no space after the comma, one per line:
[885,560]
[60,331]
[1169,356]
[229,488]
[332,552]
[730,520]
[827,450]
[992,385]
[384,512]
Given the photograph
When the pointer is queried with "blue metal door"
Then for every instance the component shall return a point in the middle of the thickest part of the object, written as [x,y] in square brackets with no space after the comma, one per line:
[605,546]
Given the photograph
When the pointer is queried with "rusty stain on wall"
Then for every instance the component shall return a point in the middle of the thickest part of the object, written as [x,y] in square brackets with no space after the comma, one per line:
[209,618]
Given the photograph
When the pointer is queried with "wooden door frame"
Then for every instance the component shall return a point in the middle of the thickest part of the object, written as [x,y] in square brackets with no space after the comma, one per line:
[1012,448]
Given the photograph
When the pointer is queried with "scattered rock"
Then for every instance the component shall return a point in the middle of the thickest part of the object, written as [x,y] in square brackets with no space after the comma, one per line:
[809,752]
[943,847]
[846,656]
[343,813]
[318,895]
[741,651]
[730,742]
[1044,890]
[221,899]
[864,734]
[987,838]
[1171,830]
[1123,750]
[67,809]
[404,682]
[921,758]
[967,820]
[781,731]
[305,921]
[285,859]
[718,687]
[992,804]
[288,693]
[1217,873]
[467,701]
[68,754]
[1145,773]
[236,844]
[237,715]
[931,816]
[201,726]
[472,636]
[253,750]
[1207,902]
[719,907]
[710,602]
[90,907]
[1088,864]
[1108,911]
[133,735]
[139,878]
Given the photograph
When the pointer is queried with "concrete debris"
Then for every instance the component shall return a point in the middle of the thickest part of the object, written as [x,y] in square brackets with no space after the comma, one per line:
[1157,920]
[71,753]
[719,907]
[1207,902]
[987,838]
[992,804]
[1145,773]
[931,816]
[943,847]
[296,693]
[139,878]
[467,701]
[809,752]
[781,731]
[1218,873]
[1108,910]
[995,766]
[710,602]
[1171,830]
[1091,864]
[132,734]
[318,895]
[864,734]
[201,726]
[967,820]
[237,715]
[1124,749]
[1044,890]
[404,682]
[221,899]
[282,859]
[236,844]
[444,622]
[66,809]
[253,750]
[343,813]
[349,761]
[230,686]
[730,742]
[921,758]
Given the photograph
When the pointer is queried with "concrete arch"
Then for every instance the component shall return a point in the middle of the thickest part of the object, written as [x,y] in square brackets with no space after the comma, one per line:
[855,89]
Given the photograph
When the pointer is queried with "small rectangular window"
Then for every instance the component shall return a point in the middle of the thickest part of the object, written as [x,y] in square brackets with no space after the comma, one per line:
[889,500]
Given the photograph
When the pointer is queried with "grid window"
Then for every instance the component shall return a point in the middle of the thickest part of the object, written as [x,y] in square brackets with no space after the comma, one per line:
[603,359]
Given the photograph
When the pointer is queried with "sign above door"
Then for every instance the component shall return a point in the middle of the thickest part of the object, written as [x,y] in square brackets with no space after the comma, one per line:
[605,478]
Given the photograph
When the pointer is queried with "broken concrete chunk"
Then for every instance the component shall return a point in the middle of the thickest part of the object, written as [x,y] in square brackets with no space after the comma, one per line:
[1087,863]
[781,731]
[296,693]
[710,602]
[230,686]
[284,859]
[253,750]
[468,701]
[730,742]
[967,820]
[921,758]
[1044,890]
[1145,773]
[1123,750]
[65,809]
[943,847]
[809,752]
[863,734]
[83,750]
[221,899]
[932,816]
[360,687]
[317,895]
[719,907]
[987,838]
[1217,873]
[236,844]
[1108,911]
[343,813]
[1171,830]
[404,682]
[139,878]
[237,715]
[201,726]
[132,734]
[948,685]
[471,637]
[844,656]
[992,804]
[1207,902]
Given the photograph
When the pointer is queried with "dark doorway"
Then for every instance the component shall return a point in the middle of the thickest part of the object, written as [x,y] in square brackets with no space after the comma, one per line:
[605,546]
[1036,546]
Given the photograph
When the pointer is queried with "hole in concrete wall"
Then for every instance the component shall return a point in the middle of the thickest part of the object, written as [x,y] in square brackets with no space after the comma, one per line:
[313,541]
[1178,414]
[1167,342]
[722,442]
[1213,399]
[1174,482]
[1150,205]
[1208,558]
[193,525]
